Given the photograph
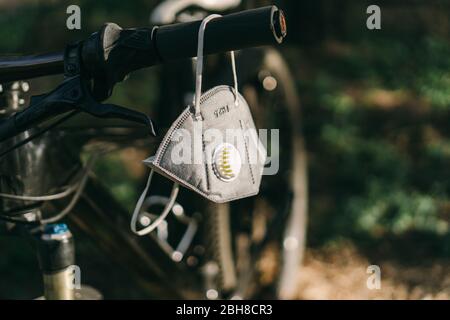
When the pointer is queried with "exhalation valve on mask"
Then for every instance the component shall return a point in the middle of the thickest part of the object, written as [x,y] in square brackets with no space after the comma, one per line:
[212,148]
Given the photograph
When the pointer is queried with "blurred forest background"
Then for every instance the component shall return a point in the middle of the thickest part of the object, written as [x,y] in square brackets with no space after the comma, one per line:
[376,111]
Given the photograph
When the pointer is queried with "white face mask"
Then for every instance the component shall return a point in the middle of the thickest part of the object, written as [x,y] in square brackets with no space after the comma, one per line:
[212,148]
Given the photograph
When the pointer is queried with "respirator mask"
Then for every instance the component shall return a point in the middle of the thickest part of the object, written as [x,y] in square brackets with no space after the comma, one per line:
[212,148]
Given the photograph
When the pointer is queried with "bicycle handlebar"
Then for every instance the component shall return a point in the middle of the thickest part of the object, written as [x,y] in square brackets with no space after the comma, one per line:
[27,67]
[112,53]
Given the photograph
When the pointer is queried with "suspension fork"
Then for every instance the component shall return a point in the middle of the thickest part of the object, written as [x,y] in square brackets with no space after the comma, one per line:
[56,254]
[54,243]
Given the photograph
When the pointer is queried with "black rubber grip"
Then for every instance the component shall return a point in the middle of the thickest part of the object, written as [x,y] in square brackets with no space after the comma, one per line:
[112,53]
[250,28]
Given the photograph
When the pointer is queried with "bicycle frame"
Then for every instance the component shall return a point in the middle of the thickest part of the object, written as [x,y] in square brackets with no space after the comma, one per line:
[101,217]
[97,214]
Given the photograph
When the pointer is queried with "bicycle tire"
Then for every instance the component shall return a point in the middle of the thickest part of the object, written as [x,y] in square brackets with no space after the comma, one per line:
[222,238]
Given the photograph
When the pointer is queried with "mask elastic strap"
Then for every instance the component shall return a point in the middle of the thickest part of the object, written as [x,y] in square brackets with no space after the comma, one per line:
[199,70]
[162,216]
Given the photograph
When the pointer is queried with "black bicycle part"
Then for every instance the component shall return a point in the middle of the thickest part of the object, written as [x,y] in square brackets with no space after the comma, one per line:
[112,53]
[72,94]
[55,247]
[15,68]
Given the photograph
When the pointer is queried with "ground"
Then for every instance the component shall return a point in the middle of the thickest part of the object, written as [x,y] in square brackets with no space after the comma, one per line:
[340,273]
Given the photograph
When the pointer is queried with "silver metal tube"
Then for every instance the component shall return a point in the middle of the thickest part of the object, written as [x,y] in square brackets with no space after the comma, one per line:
[59,285]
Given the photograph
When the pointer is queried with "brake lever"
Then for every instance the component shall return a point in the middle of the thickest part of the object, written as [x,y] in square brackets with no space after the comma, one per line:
[108,110]
[72,94]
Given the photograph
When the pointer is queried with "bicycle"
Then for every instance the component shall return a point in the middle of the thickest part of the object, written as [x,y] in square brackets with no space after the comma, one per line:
[94,205]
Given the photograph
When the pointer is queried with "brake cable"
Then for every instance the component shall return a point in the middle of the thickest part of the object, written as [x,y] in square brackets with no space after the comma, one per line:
[76,196]
[78,189]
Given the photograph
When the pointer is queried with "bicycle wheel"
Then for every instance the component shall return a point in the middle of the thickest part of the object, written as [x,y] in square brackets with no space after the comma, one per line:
[256,245]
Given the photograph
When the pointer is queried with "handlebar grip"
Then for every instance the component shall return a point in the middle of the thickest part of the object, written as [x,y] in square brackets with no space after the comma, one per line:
[112,53]
[250,28]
